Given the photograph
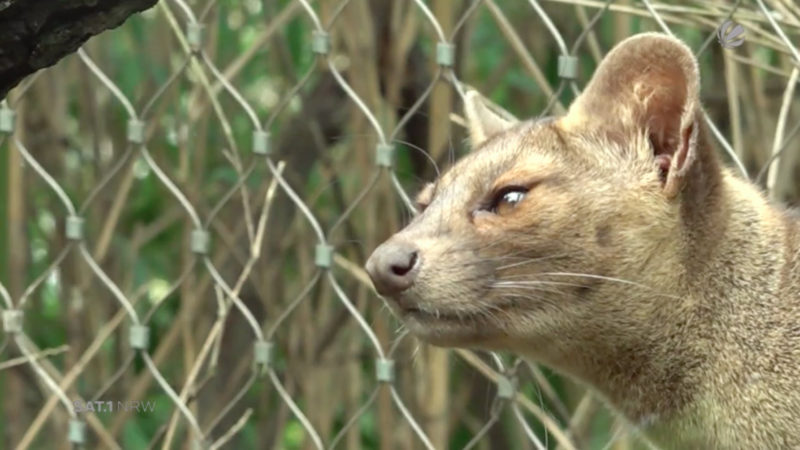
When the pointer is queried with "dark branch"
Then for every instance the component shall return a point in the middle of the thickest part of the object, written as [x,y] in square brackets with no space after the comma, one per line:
[35,34]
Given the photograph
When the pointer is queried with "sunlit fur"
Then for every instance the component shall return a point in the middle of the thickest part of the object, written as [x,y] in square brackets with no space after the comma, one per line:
[676,299]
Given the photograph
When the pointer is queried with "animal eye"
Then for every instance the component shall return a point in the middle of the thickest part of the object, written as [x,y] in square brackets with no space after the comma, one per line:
[507,199]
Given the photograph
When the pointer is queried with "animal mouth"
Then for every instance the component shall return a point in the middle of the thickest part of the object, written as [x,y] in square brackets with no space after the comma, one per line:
[437,315]
[452,328]
[428,315]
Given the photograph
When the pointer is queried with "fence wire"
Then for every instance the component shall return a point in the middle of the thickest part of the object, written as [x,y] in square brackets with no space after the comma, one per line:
[236,325]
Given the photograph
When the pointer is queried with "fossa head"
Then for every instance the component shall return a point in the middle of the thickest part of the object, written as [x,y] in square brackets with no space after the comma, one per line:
[561,230]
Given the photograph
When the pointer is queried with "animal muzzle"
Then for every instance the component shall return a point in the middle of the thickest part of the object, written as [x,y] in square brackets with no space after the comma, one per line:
[393,267]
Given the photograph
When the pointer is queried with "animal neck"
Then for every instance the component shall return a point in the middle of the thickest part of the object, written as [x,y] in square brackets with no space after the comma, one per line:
[666,364]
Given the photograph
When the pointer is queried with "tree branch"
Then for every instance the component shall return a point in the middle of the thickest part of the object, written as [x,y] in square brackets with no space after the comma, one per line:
[35,34]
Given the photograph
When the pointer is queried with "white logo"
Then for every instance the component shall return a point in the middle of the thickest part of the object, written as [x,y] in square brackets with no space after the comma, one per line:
[730,34]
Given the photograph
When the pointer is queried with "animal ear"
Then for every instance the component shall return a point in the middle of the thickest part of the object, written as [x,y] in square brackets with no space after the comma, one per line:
[483,120]
[647,86]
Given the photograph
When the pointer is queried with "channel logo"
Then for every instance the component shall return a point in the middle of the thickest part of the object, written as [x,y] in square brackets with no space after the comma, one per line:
[730,34]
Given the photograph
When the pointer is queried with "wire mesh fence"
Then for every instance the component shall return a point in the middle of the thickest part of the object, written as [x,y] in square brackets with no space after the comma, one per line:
[190,200]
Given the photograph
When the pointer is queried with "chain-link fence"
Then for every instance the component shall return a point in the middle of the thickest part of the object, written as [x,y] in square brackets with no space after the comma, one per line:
[189,201]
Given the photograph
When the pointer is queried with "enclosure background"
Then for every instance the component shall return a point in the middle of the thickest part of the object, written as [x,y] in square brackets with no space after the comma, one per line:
[126,156]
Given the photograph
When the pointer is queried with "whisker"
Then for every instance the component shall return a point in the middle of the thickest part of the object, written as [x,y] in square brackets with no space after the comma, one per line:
[529,296]
[601,277]
[535,283]
[424,153]
[531,260]
[525,292]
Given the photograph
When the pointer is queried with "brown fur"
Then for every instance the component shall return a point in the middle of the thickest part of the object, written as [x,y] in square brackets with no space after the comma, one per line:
[644,268]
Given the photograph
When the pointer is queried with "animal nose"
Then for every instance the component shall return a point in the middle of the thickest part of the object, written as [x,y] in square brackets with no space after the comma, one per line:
[392,267]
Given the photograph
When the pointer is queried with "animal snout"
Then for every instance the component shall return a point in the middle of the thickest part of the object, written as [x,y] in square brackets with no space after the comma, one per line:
[393,267]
